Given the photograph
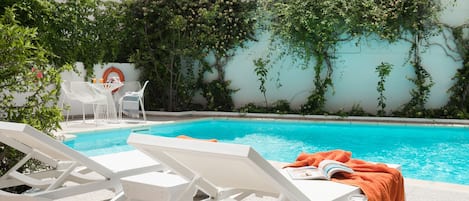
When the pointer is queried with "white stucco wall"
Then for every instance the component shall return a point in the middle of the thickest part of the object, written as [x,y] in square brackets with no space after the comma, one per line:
[354,77]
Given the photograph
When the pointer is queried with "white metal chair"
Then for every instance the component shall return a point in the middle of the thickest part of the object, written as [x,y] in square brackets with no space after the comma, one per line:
[68,95]
[86,94]
[128,87]
[133,100]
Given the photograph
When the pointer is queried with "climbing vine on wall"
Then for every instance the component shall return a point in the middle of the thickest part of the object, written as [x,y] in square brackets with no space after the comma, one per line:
[458,104]
[261,71]
[172,37]
[228,25]
[423,83]
[383,70]
[312,29]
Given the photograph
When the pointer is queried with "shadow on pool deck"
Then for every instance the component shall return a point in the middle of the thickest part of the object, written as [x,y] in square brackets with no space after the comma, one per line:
[416,190]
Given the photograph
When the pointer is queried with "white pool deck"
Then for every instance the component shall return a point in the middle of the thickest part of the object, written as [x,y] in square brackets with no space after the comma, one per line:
[415,190]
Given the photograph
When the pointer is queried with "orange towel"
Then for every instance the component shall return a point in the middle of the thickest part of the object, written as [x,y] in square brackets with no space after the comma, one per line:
[378,181]
[191,138]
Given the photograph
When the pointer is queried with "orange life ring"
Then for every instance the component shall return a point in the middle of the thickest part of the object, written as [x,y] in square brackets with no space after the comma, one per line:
[110,70]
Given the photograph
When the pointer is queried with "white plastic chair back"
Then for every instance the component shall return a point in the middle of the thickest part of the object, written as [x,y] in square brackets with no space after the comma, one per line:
[142,90]
[131,100]
[128,87]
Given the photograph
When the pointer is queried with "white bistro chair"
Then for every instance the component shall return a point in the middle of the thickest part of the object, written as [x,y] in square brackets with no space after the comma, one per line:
[86,94]
[128,86]
[129,103]
[69,96]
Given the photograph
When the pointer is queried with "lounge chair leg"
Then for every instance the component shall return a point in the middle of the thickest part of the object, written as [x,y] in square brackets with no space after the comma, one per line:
[68,113]
[143,110]
[62,178]
[282,198]
[18,165]
[119,197]
[83,110]
[120,110]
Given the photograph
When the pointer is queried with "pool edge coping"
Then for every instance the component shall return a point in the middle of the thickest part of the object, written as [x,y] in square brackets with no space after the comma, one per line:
[371,119]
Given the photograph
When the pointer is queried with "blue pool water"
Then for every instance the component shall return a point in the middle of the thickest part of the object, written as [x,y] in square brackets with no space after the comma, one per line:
[425,152]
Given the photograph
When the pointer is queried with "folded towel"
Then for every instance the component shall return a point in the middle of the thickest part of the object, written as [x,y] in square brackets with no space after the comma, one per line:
[191,138]
[378,181]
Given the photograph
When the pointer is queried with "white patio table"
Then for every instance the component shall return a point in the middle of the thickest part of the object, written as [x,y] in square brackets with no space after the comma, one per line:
[106,89]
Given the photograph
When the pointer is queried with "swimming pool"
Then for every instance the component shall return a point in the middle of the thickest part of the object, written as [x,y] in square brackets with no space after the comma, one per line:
[425,152]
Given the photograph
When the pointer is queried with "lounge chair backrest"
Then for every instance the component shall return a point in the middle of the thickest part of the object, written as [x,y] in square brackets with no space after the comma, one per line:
[221,164]
[22,137]
[142,90]
[72,173]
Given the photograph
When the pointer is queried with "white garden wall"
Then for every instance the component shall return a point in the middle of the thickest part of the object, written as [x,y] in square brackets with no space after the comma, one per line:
[355,79]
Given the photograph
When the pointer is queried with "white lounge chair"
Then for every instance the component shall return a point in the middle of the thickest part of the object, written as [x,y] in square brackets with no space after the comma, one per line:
[228,172]
[133,98]
[70,172]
